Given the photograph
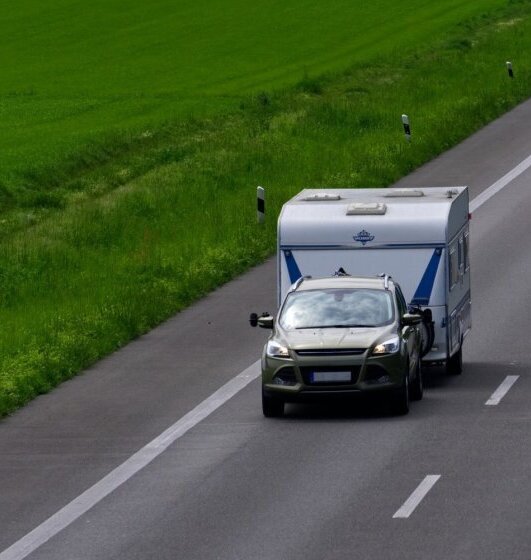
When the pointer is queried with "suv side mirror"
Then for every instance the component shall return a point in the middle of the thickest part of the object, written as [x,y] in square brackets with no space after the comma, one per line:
[265,320]
[411,319]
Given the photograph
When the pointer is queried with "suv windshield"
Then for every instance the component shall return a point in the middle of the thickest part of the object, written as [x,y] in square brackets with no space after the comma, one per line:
[337,308]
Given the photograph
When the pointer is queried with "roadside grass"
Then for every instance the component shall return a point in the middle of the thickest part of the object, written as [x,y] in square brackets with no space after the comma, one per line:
[166,219]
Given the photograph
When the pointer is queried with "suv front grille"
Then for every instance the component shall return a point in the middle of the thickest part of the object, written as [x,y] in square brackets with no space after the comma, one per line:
[332,352]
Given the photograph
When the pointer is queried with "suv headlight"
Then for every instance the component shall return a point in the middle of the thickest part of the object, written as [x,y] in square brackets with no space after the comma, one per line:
[276,350]
[388,347]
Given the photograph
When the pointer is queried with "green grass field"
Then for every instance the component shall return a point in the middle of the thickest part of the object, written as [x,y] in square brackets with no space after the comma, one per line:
[75,71]
[134,140]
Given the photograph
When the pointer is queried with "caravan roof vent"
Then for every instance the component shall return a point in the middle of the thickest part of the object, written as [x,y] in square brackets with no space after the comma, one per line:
[322,197]
[404,193]
[366,208]
[451,193]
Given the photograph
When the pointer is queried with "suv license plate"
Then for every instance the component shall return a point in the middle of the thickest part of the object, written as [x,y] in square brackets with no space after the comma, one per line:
[330,376]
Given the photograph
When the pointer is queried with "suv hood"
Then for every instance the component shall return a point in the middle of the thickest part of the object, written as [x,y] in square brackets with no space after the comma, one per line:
[334,338]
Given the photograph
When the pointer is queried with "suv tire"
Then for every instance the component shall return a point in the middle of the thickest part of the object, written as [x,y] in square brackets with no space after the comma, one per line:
[400,397]
[416,389]
[272,407]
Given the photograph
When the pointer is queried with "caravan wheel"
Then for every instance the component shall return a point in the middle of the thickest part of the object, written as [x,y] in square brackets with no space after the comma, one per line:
[454,364]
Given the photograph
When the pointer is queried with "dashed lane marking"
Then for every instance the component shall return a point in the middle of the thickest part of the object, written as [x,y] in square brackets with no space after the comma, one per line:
[502,390]
[418,495]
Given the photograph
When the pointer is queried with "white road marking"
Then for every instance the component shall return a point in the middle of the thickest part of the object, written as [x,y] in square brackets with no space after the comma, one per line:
[502,390]
[418,495]
[500,184]
[77,507]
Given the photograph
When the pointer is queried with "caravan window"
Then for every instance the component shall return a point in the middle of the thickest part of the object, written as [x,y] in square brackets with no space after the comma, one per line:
[465,250]
[461,253]
[453,266]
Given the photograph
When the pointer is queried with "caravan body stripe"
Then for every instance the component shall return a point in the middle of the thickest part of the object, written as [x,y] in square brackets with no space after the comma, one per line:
[424,289]
[293,269]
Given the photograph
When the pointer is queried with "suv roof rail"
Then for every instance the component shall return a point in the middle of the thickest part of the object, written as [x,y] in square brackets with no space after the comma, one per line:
[386,278]
[299,282]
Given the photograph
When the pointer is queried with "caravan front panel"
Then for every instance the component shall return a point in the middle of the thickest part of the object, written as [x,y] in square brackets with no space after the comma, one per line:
[420,271]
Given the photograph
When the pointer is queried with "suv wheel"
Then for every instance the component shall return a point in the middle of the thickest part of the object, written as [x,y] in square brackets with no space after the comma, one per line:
[400,397]
[416,389]
[272,407]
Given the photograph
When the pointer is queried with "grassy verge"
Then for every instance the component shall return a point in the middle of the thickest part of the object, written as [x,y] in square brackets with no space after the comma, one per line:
[173,215]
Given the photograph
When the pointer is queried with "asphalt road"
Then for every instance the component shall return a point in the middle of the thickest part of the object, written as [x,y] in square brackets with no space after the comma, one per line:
[324,482]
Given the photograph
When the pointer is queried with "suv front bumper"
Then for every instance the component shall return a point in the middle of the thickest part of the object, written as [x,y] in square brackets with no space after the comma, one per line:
[315,376]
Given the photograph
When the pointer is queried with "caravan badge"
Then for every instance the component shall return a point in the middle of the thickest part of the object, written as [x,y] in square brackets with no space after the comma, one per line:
[363,237]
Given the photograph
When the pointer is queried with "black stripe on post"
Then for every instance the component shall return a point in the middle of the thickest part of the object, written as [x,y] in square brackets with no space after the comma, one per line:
[260,204]
[510,69]
[407,129]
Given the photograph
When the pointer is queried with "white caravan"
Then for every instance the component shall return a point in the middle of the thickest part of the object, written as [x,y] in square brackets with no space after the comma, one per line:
[418,236]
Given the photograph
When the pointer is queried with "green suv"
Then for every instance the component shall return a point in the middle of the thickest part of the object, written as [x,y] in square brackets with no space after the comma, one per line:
[341,335]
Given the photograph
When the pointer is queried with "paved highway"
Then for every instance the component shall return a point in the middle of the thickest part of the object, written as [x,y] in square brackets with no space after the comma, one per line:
[449,481]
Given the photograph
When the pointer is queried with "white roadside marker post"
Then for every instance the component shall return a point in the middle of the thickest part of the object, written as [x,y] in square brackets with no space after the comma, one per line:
[260,204]
[407,129]
[510,69]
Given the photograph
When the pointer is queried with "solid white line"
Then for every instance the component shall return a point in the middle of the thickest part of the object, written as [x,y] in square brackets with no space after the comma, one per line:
[77,507]
[418,495]
[500,184]
[502,390]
